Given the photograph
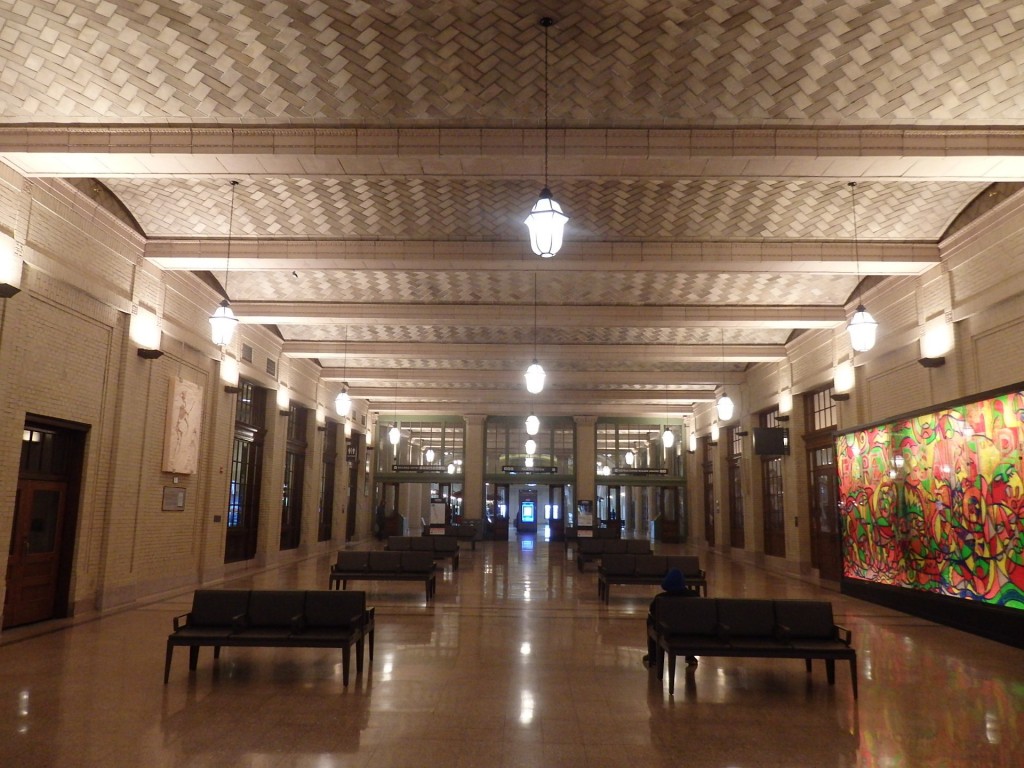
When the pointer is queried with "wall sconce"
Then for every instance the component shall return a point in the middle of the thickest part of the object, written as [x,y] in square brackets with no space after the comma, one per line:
[691,446]
[229,373]
[321,419]
[742,433]
[284,400]
[844,378]
[715,432]
[144,331]
[10,267]
[786,400]
[937,339]
[782,417]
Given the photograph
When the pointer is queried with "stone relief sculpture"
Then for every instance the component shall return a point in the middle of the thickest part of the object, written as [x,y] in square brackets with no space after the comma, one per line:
[184,419]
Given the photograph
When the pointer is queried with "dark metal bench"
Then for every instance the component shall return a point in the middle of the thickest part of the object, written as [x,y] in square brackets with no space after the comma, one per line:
[626,569]
[440,546]
[592,550]
[274,618]
[384,566]
[741,627]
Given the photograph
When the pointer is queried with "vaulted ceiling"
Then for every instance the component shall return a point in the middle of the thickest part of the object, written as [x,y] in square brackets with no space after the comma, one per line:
[388,152]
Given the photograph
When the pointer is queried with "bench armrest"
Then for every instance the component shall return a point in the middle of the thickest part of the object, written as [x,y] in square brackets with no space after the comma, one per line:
[845,636]
[178,621]
[238,621]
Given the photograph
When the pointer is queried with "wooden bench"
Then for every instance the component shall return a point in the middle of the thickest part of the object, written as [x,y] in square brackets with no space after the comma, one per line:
[275,618]
[592,550]
[742,627]
[647,569]
[441,547]
[384,566]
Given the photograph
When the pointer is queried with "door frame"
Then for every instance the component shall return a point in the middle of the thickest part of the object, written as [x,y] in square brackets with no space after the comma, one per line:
[77,434]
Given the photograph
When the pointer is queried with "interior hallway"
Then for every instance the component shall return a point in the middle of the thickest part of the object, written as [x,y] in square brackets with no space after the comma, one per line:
[516,663]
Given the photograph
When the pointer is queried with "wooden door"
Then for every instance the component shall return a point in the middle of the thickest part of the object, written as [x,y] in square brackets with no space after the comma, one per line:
[34,564]
[737,536]
[826,552]
[709,503]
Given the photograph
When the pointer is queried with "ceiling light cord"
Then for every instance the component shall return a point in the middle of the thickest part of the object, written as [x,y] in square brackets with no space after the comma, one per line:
[231,230]
[546,22]
[862,326]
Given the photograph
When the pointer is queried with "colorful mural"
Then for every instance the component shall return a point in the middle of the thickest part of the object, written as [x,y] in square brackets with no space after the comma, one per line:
[936,502]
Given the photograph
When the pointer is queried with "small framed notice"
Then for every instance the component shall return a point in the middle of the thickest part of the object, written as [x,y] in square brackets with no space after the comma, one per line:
[174,499]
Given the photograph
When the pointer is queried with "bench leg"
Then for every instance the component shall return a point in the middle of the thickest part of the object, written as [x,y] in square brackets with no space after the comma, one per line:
[830,671]
[167,662]
[359,656]
[807,663]
[853,675]
[193,657]
[371,646]
[346,656]
[671,672]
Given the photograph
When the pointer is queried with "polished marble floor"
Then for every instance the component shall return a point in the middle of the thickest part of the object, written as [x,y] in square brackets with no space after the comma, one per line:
[516,663]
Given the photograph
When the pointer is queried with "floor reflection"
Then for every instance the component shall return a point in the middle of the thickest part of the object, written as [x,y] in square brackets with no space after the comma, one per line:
[515,663]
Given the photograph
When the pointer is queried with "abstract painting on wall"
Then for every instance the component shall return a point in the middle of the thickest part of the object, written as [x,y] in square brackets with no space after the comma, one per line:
[936,502]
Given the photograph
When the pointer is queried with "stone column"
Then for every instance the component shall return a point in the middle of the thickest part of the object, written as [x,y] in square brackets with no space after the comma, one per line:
[473,467]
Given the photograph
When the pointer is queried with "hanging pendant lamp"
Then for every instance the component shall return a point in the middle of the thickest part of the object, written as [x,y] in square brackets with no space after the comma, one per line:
[535,375]
[395,434]
[546,220]
[862,327]
[724,407]
[223,321]
[343,402]
[532,425]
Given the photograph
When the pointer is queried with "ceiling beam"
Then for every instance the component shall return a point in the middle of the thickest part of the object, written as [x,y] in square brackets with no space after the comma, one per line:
[819,257]
[516,392]
[519,316]
[602,378]
[946,152]
[578,353]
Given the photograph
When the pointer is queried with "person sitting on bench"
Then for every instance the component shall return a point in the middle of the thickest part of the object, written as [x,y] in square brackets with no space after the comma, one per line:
[674,583]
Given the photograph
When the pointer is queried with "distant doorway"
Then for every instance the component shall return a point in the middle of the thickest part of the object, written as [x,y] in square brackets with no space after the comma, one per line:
[45,509]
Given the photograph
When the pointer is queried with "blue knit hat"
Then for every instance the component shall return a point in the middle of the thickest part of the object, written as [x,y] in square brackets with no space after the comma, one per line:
[674,581]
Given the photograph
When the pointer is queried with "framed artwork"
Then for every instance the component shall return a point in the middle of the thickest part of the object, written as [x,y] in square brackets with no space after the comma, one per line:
[184,419]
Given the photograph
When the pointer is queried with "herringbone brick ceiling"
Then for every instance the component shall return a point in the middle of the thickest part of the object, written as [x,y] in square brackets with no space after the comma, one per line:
[389,151]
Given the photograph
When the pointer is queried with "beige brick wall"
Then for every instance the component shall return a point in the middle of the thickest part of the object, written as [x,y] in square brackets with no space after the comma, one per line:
[65,354]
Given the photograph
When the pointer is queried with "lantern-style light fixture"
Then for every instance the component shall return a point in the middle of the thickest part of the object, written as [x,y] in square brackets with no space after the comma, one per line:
[223,321]
[532,425]
[531,447]
[343,402]
[862,327]
[546,220]
[395,434]
[724,407]
[535,373]
[428,455]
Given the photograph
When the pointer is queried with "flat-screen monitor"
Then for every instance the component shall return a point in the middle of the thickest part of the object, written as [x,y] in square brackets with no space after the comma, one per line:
[771,441]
